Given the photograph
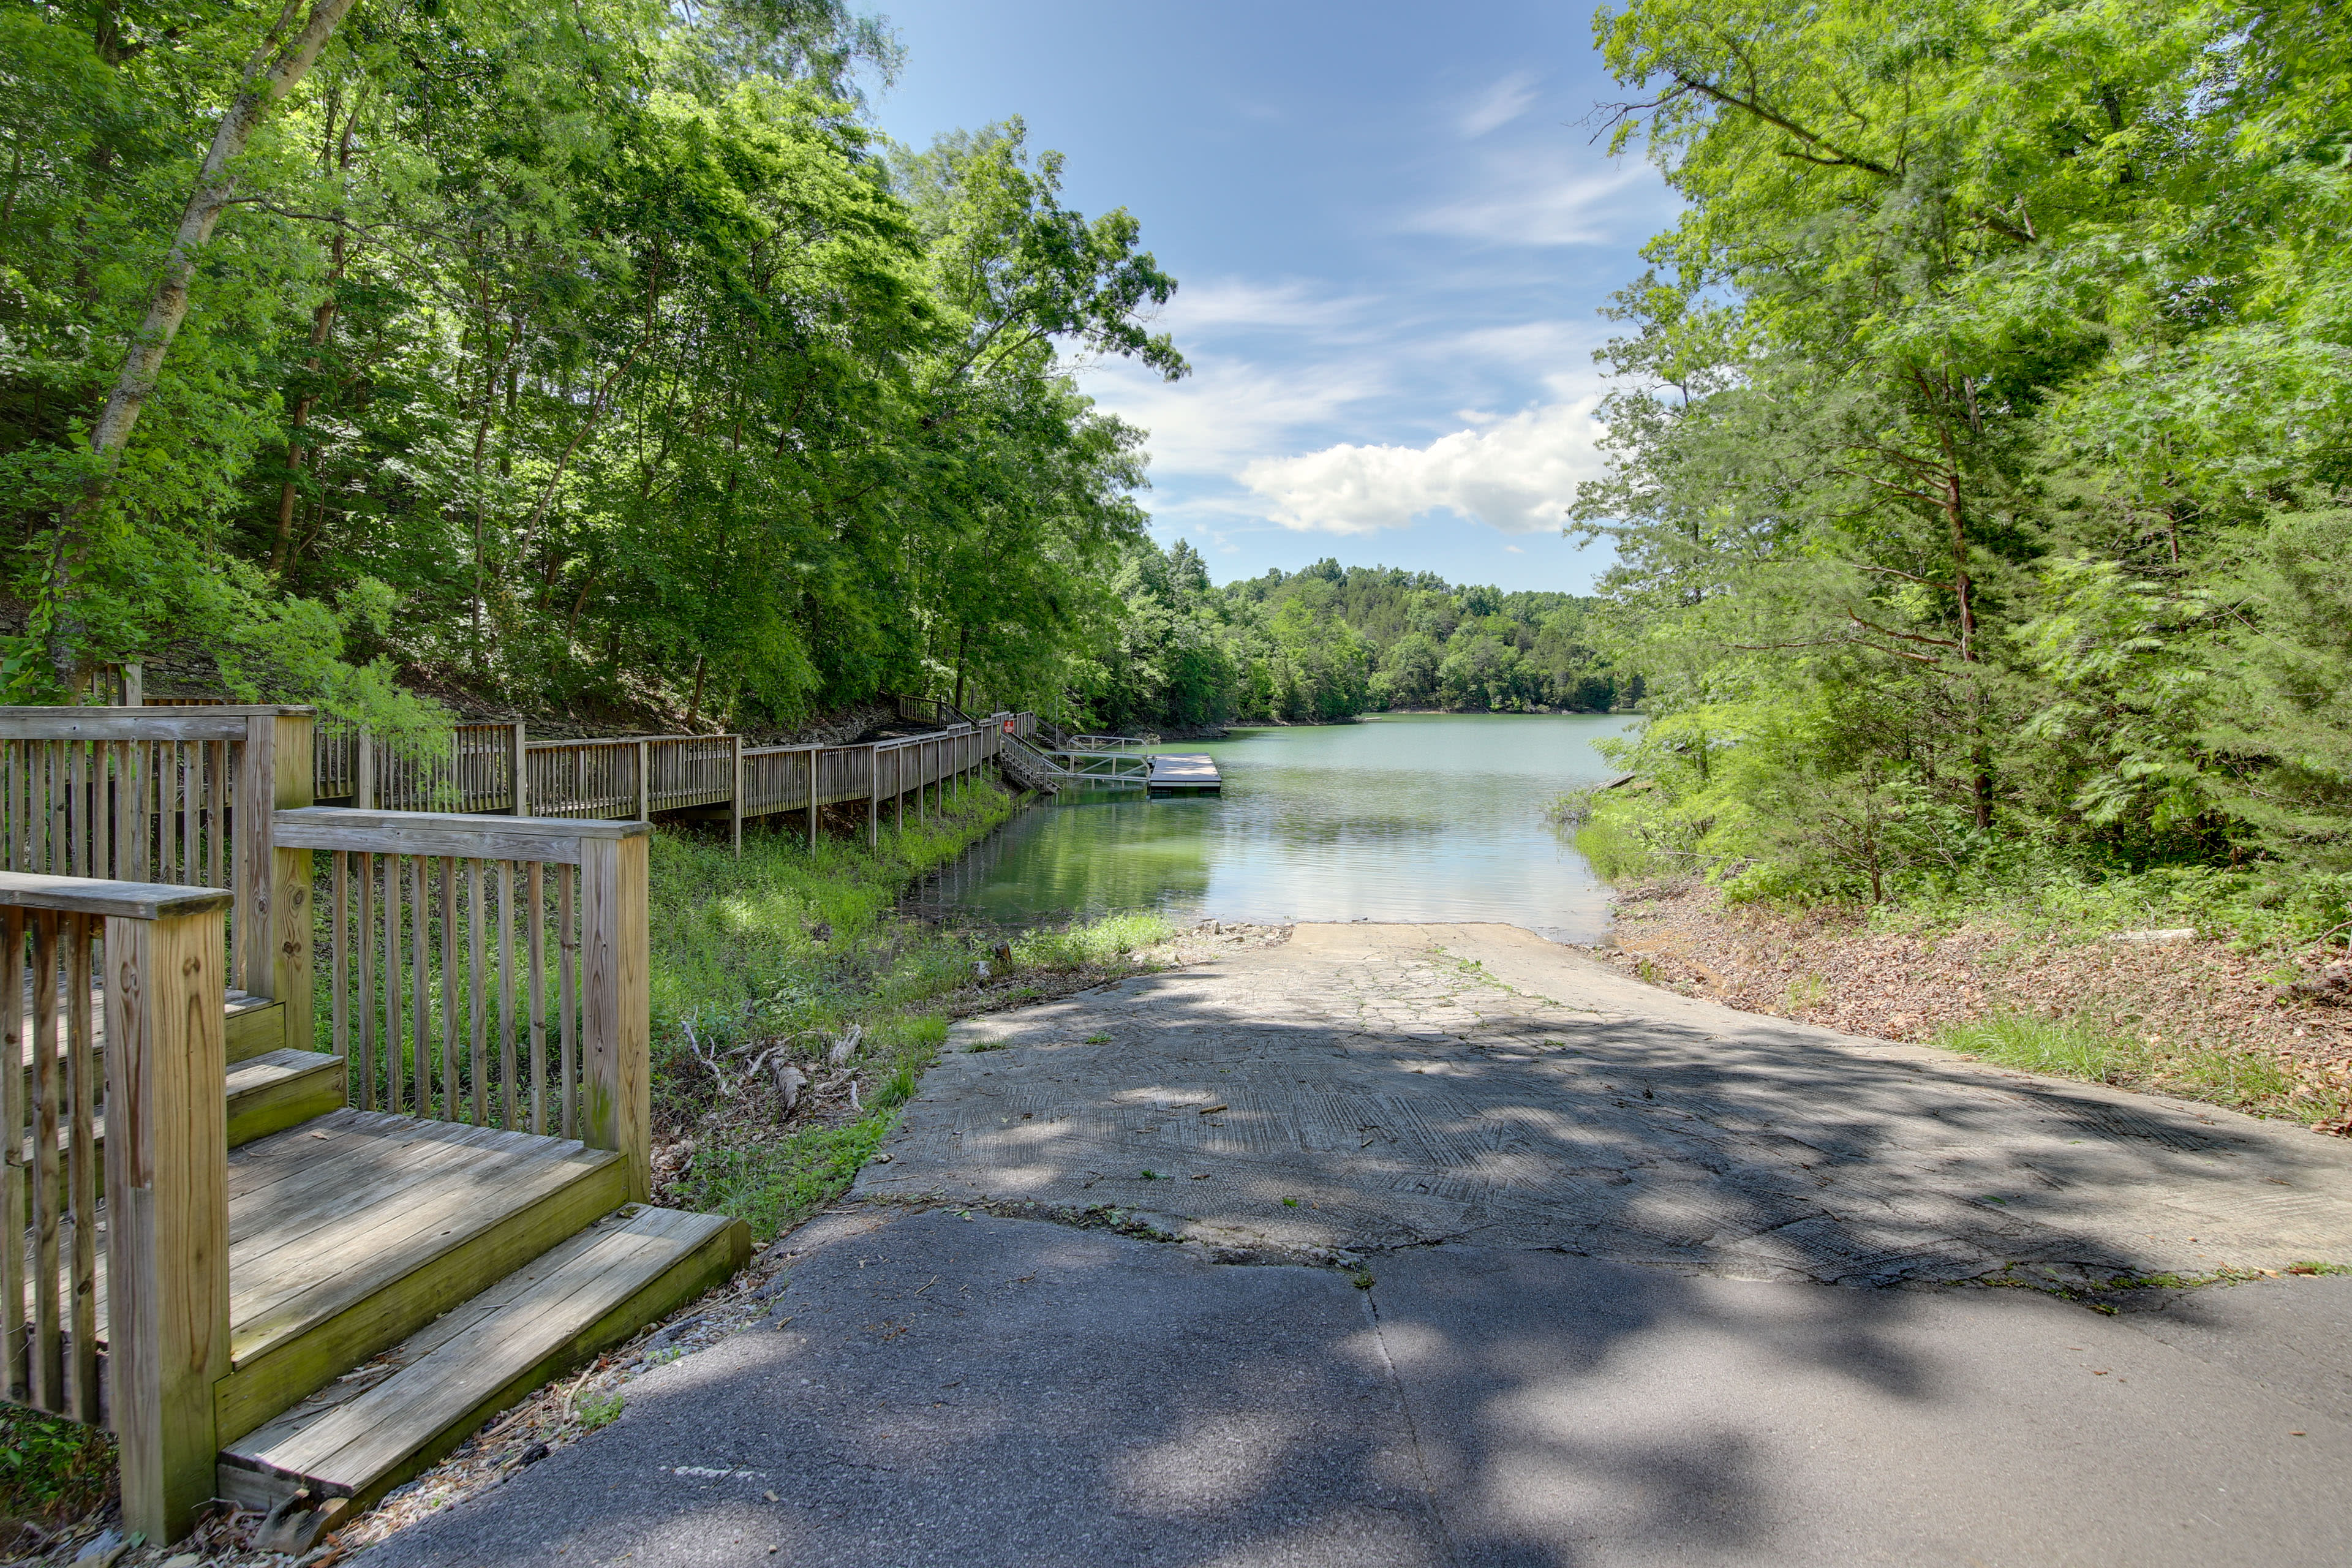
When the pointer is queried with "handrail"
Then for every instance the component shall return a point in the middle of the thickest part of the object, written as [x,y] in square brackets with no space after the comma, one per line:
[212,723]
[537,1013]
[550,840]
[121,900]
[162,952]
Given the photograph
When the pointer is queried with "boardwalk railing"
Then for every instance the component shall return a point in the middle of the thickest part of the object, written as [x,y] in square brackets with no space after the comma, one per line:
[159,1109]
[637,777]
[176,796]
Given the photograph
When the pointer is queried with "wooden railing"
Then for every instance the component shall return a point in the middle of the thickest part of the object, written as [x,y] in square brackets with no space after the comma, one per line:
[638,777]
[480,969]
[177,795]
[161,950]
[487,970]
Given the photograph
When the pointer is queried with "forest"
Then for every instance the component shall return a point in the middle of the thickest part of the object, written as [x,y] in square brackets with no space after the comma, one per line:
[599,358]
[1980,453]
[609,363]
[1330,642]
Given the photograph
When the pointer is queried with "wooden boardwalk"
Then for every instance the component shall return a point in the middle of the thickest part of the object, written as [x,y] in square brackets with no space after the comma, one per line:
[499,768]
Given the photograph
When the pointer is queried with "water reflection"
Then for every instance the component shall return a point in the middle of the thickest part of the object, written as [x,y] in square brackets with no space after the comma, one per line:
[1402,817]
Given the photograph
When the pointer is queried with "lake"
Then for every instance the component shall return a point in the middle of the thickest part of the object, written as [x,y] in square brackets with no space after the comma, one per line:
[1405,817]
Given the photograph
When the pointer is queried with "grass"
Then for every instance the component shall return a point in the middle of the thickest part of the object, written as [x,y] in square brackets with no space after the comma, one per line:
[2083,1049]
[784,955]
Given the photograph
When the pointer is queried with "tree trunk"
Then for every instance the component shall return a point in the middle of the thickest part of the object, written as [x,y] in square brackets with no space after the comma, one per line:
[277,66]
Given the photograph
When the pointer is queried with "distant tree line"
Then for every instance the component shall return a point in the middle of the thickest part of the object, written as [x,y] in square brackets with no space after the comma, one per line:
[1330,642]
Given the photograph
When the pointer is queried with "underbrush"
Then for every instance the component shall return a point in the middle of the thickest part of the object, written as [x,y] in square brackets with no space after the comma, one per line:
[1927,880]
[51,1469]
[2255,1083]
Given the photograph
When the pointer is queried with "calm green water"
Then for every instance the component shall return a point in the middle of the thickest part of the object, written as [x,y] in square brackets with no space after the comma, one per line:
[1400,818]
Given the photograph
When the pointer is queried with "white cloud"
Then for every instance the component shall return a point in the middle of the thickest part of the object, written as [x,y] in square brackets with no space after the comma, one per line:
[1230,410]
[1516,476]
[1550,201]
[1498,105]
[1236,302]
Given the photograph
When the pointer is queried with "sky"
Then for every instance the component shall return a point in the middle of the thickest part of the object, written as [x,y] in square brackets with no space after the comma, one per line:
[1392,228]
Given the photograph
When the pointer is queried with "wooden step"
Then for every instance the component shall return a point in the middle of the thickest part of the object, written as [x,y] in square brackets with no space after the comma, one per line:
[266,1094]
[279,1089]
[254,1026]
[351,1232]
[371,1431]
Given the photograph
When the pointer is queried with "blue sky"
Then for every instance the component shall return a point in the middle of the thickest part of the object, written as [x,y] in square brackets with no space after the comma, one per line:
[1392,227]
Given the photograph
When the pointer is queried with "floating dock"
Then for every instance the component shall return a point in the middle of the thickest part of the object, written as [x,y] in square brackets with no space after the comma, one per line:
[1184,773]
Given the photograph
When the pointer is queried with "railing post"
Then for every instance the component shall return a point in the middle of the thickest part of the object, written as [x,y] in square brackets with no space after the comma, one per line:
[167,1203]
[873,795]
[521,791]
[278,965]
[645,784]
[735,794]
[273,960]
[364,772]
[616,1090]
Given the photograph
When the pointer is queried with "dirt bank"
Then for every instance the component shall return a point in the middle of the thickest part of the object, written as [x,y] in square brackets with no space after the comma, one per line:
[1828,967]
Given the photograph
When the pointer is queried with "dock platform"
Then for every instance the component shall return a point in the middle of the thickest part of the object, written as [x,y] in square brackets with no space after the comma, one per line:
[1184,773]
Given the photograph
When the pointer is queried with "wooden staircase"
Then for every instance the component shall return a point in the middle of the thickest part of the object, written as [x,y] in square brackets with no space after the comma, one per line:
[287,1298]
[452,1269]
[394,1281]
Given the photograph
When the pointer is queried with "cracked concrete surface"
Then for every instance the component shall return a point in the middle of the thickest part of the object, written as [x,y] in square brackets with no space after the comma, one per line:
[1365,1087]
[1504,1144]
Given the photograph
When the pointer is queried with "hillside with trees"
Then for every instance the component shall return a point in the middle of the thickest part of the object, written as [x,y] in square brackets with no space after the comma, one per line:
[1980,445]
[602,358]
[1331,642]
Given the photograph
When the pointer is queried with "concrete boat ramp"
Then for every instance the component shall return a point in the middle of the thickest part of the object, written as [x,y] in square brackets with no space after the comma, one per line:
[1440,1246]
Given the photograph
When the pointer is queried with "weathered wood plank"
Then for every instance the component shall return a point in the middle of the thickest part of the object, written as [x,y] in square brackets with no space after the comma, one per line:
[506,995]
[49,1362]
[167,1207]
[615,1082]
[14,1376]
[420,982]
[124,901]
[434,833]
[81,1064]
[139,724]
[386,1304]
[567,1010]
[282,1088]
[477,993]
[285,913]
[535,985]
[591,1292]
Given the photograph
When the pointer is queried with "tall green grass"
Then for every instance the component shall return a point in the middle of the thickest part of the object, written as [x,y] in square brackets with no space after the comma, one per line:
[791,948]
[2082,1048]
